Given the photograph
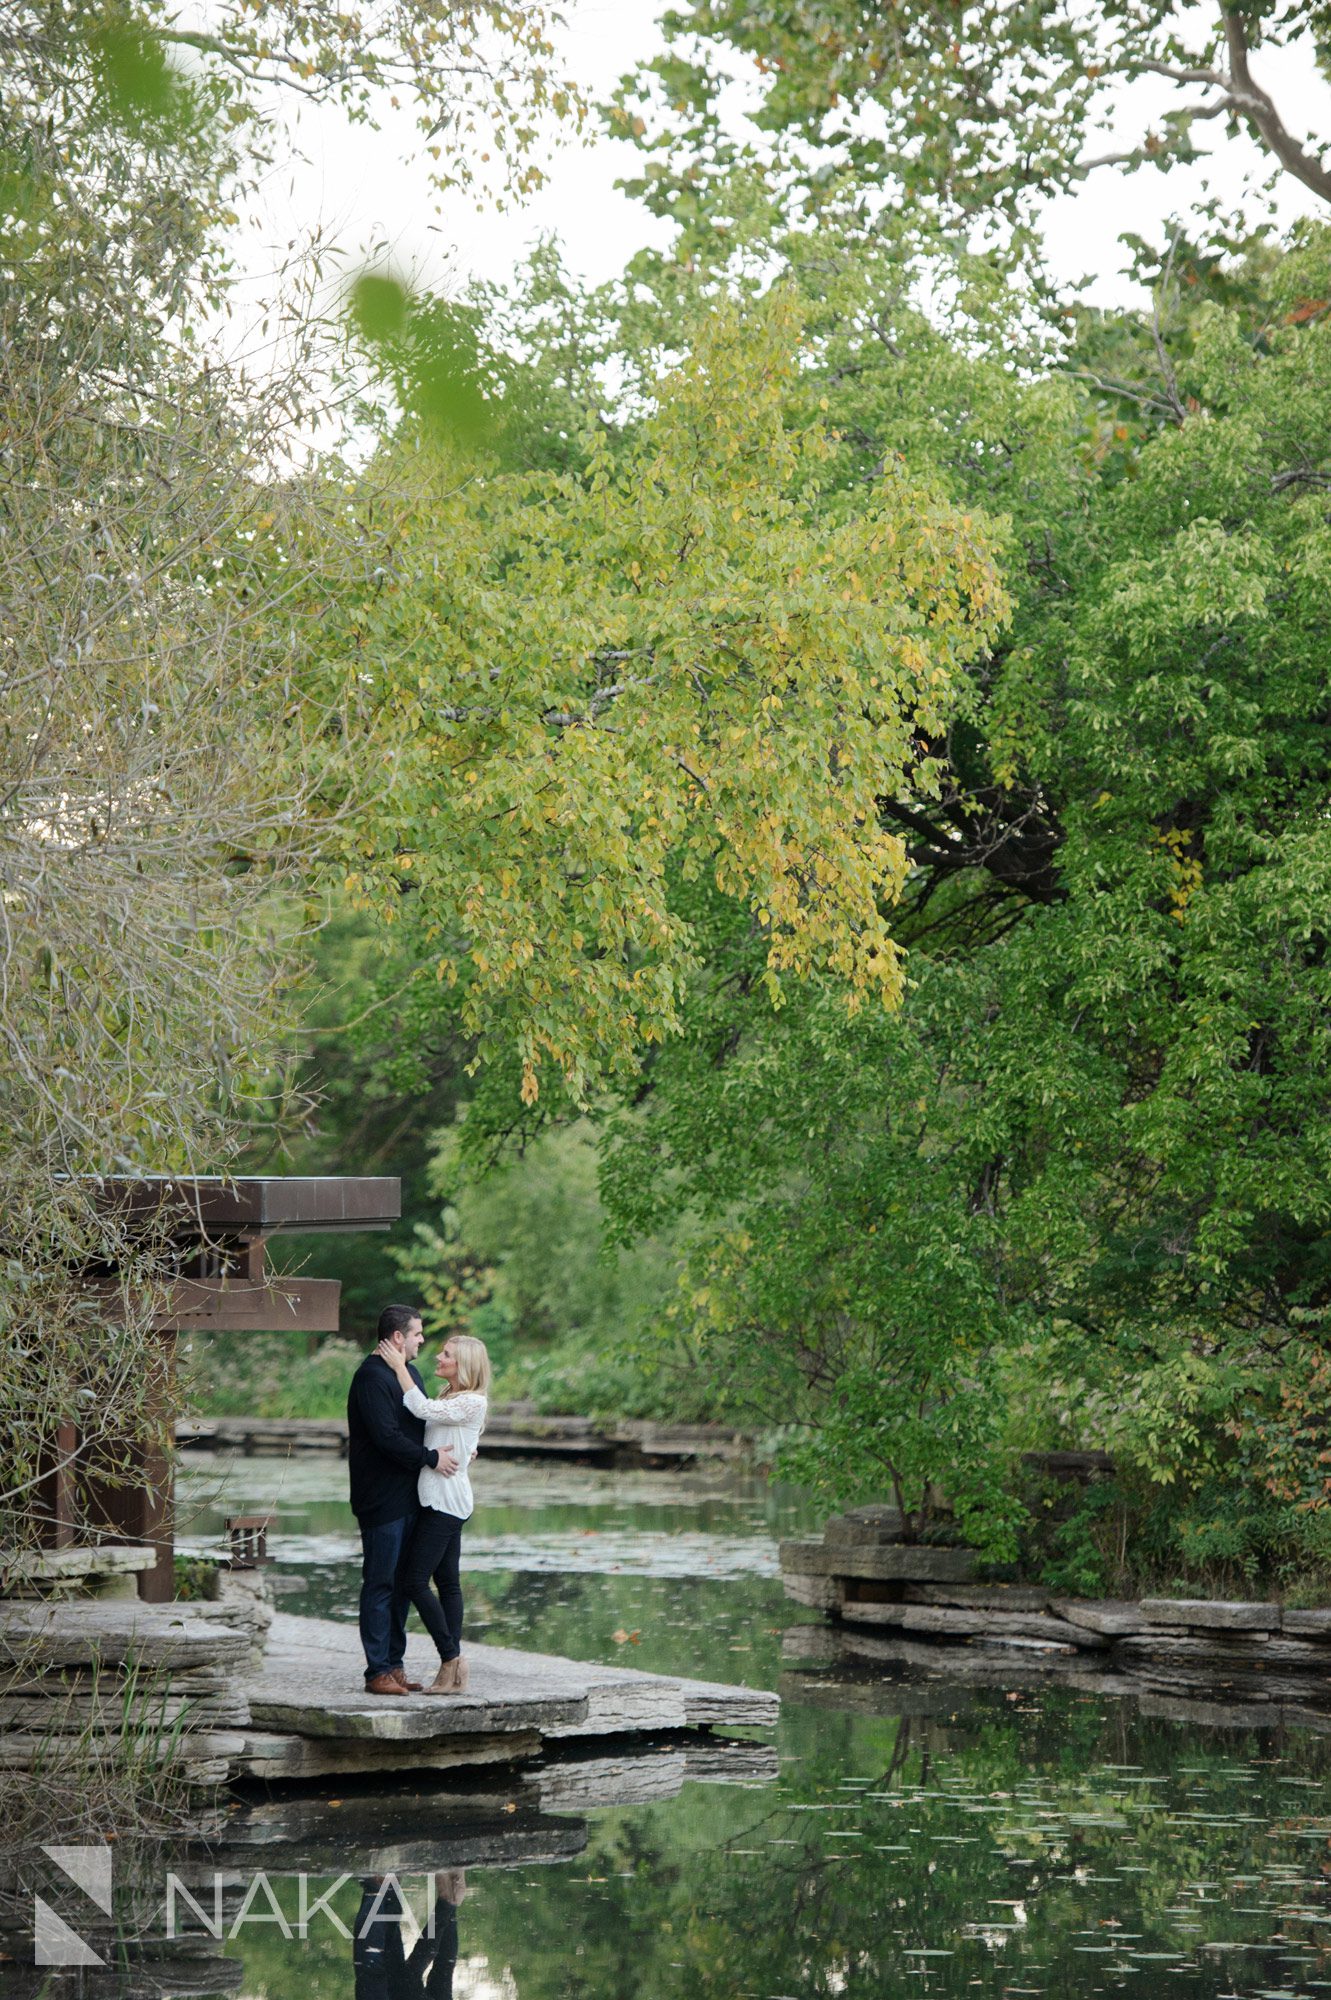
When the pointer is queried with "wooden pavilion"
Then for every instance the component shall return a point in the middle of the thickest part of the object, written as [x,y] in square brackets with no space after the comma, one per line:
[217,1231]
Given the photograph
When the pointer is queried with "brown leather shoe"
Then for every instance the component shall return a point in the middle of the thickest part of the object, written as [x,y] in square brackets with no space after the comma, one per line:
[400,1674]
[385,1684]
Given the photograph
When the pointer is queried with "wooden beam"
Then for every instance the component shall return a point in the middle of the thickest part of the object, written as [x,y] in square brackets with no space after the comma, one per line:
[210,1205]
[238,1305]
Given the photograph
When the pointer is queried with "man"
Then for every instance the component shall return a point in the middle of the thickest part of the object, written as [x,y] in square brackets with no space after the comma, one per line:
[386,1450]
[383,1970]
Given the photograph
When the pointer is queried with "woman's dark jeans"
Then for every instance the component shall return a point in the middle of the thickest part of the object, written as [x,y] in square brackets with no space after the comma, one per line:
[435,1549]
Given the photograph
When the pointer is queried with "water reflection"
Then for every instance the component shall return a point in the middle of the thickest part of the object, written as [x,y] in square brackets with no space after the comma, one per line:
[384,1968]
[918,1835]
[1036,1845]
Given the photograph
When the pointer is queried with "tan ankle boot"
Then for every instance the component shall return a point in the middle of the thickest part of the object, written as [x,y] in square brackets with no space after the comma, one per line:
[446,1680]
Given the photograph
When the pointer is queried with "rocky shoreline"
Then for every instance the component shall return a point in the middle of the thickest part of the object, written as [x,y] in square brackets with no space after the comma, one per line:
[861,1574]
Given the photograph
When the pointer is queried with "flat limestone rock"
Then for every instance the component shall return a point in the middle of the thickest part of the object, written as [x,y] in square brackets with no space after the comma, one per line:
[1314,1623]
[917,1562]
[816,1593]
[804,1558]
[112,1632]
[54,1565]
[202,1754]
[988,1596]
[710,1702]
[304,1692]
[267,1755]
[974,1621]
[311,1684]
[61,1718]
[1227,1650]
[1114,1618]
[623,1698]
[1209,1615]
[985,1665]
[655,1440]
[77,1683]
[857,1611]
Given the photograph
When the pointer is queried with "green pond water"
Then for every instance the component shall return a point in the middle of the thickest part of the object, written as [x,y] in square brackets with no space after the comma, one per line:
[921,1837]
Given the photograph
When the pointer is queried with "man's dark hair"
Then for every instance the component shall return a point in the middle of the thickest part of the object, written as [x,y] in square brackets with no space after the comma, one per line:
[396,1319]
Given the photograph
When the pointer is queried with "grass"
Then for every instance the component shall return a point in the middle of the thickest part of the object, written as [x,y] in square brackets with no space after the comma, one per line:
[108,1764]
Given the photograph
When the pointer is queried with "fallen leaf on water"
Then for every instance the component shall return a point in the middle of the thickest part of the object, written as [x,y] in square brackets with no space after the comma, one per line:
[623,1638]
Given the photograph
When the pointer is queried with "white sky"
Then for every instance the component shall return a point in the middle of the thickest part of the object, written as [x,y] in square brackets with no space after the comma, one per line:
[366,196]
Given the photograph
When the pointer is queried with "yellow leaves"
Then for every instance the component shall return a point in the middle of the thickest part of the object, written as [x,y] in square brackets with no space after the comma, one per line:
[767,689]
[1187,871]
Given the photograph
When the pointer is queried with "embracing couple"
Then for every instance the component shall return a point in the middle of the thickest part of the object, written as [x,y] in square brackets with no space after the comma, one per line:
[410,1456]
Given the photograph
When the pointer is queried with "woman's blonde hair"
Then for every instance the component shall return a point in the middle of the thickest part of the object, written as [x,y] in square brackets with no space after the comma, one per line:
[473,1362]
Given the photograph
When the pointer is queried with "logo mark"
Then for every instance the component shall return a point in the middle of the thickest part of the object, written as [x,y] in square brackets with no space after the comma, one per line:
[89,1869]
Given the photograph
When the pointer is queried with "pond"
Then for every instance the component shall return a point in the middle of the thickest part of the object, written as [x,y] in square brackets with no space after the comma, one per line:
[922,1836]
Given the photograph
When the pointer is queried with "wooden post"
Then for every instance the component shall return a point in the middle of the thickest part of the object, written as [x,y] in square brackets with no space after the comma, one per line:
[158,1497]
[54,1496]
[145,1512]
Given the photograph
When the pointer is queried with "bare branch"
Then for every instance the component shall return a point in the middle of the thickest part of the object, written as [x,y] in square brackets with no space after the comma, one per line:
[1257,106]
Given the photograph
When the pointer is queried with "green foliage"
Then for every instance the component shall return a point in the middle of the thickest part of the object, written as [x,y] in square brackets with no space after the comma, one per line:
[428,351]
[969,117]
[1100,1123]
[672,664]
[521,1260]
[197,1579]
[268,1375]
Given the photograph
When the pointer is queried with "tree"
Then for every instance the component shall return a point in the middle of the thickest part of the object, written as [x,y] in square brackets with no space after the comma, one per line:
[977,113]
[163,774]
[1096,1137]
[149,795]
[590,687]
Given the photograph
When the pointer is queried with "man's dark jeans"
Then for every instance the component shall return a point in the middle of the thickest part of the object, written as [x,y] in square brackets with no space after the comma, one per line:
[383,1596]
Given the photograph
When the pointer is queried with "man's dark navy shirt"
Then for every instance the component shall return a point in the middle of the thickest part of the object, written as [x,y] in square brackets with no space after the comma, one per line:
[385,1445]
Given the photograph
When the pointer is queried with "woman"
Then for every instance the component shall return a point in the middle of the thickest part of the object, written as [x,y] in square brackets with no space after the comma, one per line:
[453,1421]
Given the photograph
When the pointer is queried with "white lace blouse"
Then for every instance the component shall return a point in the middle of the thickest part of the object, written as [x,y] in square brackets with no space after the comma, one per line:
[452,1423]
